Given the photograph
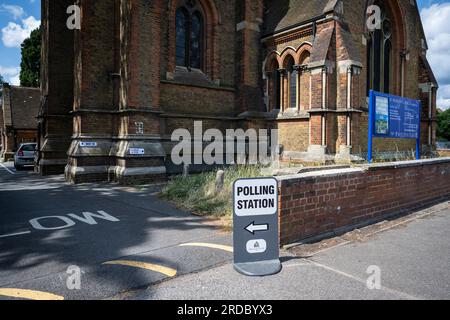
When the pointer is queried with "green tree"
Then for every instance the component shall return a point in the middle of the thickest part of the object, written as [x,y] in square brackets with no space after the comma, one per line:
[443,129]
[31,60]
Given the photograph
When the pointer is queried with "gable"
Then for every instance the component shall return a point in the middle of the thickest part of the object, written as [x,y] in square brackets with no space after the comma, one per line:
[280,15]
[24,106]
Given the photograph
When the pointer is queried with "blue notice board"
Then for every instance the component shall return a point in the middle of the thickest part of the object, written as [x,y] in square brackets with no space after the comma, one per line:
[393,117]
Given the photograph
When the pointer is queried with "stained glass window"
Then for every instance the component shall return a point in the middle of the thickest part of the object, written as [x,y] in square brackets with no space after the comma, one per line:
[196,41]
[379,53]
[181,39]
[189,37]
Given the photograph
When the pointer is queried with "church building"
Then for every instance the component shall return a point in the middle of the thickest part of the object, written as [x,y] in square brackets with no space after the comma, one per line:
[137,70]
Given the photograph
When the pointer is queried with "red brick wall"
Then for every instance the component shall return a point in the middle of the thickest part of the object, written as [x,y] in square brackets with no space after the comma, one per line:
[317,203]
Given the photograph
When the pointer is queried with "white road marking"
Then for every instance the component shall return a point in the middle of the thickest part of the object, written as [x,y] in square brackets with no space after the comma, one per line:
[14,234]
[392,291]
[4,167]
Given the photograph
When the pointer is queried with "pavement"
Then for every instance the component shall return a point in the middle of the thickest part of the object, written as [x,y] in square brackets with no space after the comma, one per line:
[128,244]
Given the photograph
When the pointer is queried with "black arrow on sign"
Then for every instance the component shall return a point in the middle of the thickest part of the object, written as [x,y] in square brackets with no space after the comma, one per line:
[252,227]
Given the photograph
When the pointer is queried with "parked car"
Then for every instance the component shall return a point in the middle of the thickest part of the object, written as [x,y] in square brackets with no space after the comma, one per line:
[25,155]
[443,145]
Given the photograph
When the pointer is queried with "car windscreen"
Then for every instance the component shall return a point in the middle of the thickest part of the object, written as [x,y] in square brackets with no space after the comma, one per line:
[28,147]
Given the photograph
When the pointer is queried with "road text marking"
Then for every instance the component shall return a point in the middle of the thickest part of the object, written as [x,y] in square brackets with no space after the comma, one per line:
[208,245]
[71,220]
[29,294]
[143,265]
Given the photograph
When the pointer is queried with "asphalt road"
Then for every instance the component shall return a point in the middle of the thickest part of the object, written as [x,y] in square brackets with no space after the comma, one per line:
[47,226]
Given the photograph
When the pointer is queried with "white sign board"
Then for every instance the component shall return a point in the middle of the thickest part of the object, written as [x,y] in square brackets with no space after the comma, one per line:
[84,144]
[256,197]
[255,227]
[137,151]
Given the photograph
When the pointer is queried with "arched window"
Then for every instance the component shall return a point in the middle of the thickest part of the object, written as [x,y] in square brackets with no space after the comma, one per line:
[181,30]
[277,89]
[379,56]
[273,83]
[189,36]
[292,82]
[304,81]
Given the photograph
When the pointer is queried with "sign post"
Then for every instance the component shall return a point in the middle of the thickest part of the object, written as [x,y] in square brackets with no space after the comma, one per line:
[255,227]
[393,117]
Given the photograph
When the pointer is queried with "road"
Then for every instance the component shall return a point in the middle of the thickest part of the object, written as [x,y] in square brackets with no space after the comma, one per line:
[130,245]
[48,226]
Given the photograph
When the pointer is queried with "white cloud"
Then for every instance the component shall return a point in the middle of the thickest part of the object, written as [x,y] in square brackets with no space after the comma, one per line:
[16,11]
[11,74]
[15,81]
[437,29]
[14,34]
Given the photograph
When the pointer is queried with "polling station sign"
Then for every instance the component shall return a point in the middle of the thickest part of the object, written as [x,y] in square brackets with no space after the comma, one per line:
[255,226]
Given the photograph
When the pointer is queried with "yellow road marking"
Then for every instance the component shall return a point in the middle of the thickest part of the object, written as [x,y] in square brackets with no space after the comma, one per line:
[208,245]
[143,265]
[29,294]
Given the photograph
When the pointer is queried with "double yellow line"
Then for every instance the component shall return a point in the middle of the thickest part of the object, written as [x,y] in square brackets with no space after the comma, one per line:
[29,294]
[40,295]
[144,265]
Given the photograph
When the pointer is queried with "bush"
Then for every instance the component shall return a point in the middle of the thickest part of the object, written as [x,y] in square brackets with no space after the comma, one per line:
[197,193]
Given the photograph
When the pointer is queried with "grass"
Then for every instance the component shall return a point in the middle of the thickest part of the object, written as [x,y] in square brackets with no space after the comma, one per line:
[197,192]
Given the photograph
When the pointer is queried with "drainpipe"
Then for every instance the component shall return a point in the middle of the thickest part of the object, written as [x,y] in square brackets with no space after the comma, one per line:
[349,106]
[430,115]
[324,105]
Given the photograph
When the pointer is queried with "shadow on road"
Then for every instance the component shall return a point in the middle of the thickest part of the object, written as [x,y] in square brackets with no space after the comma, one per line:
[39,260]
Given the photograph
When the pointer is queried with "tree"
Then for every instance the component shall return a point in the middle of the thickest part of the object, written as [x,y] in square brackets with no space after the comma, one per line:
[443,129]
[31,60]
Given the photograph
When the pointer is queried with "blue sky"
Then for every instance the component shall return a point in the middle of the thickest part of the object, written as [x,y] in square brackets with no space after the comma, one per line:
[19,17]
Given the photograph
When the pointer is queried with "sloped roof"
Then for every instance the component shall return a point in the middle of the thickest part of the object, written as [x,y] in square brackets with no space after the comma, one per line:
[284,14]
[24,106]
[348,44]
[321,45]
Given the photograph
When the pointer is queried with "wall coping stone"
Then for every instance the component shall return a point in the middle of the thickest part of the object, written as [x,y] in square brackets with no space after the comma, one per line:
[374,167]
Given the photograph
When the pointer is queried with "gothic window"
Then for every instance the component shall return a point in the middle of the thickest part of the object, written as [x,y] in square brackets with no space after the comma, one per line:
[291,88]
[379,56]
[189,36]
[277,89]
[181,29]
[273,83]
